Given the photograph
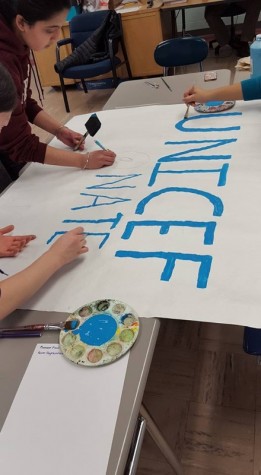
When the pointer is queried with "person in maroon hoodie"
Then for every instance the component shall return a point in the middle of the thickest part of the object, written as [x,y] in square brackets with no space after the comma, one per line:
[16,289]
[34,25]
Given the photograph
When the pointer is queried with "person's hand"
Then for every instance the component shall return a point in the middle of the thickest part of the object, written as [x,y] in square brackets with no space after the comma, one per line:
[10,246]
[69,246]
[97,159]
[195,94]
[69,137]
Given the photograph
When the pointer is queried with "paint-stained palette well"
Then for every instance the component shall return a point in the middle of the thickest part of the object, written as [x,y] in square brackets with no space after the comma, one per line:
[107,330]
[214,106]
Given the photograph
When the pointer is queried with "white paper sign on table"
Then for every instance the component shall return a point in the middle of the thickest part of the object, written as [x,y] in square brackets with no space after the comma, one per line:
[63,416]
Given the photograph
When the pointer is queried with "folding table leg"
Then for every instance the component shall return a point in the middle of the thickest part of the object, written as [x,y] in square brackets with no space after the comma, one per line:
[160,441]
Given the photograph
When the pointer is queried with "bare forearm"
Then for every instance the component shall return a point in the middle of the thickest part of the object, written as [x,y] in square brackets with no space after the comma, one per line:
[227,93]
[47,122]
[20,287]
[56,156]
[69,158]
[66,158]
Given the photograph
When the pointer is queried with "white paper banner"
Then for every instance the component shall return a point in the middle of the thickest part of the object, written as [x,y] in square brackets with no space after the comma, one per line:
[173,227]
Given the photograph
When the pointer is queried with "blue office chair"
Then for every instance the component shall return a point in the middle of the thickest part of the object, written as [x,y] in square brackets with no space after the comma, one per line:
[180,52]
[94,38]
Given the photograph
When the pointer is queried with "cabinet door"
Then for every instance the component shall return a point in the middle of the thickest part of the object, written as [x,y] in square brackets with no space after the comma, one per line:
[142,32]
[46,59]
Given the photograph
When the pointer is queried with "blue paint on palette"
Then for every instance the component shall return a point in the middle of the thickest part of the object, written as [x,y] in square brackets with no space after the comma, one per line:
[97,330]
[214,103]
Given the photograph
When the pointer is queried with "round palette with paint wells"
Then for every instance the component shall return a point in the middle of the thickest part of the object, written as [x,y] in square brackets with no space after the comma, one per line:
[106,330]
[214,106]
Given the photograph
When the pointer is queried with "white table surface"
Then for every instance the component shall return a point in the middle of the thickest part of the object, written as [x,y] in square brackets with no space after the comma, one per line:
[138,93]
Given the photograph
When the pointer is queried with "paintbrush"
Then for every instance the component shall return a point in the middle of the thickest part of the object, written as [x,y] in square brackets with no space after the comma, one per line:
[19,334]
[2,272]
[187,111]
[92,126]
[68,325]
[166,84]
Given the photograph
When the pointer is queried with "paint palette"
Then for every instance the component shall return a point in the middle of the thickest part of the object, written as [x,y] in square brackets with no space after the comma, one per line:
[214,106]
[107,330]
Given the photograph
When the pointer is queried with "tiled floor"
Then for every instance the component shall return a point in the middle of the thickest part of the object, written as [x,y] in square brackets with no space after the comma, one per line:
[203,390]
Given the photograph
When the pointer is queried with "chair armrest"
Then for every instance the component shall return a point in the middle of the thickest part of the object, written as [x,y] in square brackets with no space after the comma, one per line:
[113,46]
[111,49]
[114,36]
[63,42]
[59,44]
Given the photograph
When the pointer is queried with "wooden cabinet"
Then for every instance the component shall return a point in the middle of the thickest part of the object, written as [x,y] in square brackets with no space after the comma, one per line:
[142,32]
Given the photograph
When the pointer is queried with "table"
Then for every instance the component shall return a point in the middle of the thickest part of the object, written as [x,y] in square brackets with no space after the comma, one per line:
[172,6]
[241,76]
[12,370]
[139,93]
[20,351]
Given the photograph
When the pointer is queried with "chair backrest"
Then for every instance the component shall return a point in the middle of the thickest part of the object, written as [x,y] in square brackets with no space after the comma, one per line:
[181,51]
[82,26]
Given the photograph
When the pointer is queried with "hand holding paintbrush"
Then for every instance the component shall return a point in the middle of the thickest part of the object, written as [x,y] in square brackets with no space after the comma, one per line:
[189,100]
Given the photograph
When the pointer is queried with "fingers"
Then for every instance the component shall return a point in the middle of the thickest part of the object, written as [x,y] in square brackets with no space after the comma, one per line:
[79,232]
[109,159]
[189,96]
[99,159]
[7,229]
[11,251]
[190,100]
[15,247]
[81,146]
[78,140]
[30,237]
[83,250]
[10,246]
[107,163]
[8,254]
[112,155]
[26,238]
[78,143]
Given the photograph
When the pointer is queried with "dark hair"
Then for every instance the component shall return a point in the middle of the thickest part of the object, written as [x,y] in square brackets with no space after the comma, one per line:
[8,94]
[32,10]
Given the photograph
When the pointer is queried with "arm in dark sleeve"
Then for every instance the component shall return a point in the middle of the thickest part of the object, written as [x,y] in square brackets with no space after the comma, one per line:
[31,107]
[251,88]
[17,140]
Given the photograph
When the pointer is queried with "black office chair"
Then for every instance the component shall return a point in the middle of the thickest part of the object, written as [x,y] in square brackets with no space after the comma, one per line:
[181,52]
[231,11]
[95,39]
